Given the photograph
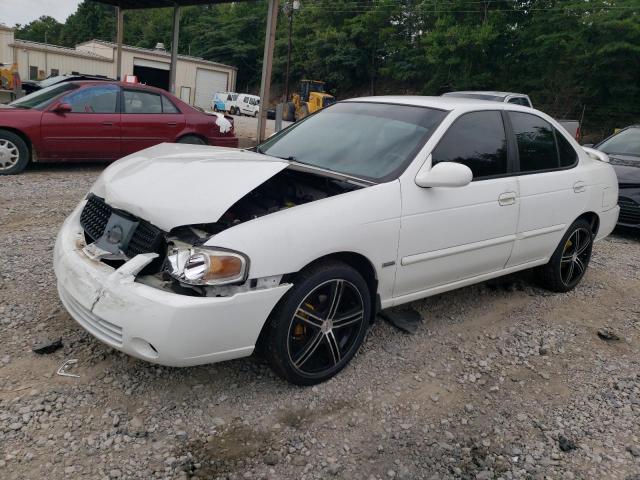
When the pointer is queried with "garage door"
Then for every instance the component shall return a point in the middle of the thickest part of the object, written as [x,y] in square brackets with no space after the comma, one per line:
[208,82]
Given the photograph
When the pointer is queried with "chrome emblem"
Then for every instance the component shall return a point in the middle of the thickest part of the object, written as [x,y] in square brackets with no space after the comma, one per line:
[114,235]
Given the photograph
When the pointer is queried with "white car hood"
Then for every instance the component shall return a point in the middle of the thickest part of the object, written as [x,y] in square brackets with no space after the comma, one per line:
[171,185]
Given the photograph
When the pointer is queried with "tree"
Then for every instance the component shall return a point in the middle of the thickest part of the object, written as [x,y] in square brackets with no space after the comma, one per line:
[44,29]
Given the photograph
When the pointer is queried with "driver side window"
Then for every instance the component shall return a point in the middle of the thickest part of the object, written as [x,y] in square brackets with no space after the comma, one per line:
[477,140]
[99,99]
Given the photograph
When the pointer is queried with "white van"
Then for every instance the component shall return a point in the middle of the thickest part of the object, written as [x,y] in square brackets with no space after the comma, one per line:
[225,102]
[248,104]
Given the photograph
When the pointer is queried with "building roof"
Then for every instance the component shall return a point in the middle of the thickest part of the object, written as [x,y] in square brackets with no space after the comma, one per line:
[159,53]
[139,4]
[47,47]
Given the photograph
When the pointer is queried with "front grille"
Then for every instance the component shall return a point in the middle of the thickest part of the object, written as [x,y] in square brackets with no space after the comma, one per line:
[145,239]
[94,217]
[108,332]
[629,211]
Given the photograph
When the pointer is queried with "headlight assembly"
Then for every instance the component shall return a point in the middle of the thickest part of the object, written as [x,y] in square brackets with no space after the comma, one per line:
[207,266]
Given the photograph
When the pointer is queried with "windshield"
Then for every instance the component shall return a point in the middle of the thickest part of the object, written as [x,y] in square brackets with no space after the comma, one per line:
[42,98]
[375,141]
[626,142]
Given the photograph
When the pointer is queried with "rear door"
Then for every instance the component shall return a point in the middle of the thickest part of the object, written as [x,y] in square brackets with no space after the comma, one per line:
[148,118]
[91,131]
[552,191]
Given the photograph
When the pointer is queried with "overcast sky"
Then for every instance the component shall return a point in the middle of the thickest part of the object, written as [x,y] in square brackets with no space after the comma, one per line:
[25,11]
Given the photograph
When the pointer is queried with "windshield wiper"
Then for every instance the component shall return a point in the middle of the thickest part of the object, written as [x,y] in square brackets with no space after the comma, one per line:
[290,158]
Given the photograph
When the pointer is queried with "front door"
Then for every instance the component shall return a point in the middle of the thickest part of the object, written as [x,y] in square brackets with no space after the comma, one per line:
[449,235]
[148,118]
[91,131]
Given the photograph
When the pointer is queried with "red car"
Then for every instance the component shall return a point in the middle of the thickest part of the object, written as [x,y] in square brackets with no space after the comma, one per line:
[103,121]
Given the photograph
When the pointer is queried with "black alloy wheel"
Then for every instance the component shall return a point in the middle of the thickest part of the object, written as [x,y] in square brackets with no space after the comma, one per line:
[569,262]
[319,325]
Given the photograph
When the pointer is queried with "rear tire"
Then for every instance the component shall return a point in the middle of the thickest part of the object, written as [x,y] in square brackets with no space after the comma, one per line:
[192,140]
[570,260]
[289,112]
[14,153]
[319,325]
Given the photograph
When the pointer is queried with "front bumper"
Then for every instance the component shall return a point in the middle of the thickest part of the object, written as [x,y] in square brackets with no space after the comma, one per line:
[629,201]
[228,142]
[151,324]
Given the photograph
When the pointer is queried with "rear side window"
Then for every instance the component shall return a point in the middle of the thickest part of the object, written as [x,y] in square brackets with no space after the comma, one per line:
[477,140]
[536,142]
[540,146]
[168,106]
[568,156]
[136,101]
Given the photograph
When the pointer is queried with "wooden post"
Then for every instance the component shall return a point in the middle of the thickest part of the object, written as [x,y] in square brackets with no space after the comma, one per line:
[119,35]
[286,76]
[174,48]
[267,65]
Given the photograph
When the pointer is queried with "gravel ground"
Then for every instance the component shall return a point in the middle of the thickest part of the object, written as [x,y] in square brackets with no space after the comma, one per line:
[502,380]
[246,129]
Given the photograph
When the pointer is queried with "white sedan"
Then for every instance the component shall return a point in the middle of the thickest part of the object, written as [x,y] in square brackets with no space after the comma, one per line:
[184,255]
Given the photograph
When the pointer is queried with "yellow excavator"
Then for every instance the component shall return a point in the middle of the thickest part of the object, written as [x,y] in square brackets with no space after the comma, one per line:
[310,99]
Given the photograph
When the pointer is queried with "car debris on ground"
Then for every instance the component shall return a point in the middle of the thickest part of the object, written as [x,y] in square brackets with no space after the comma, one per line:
[46,346]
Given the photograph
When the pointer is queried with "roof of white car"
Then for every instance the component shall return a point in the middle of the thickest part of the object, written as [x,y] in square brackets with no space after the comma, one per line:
[444,103]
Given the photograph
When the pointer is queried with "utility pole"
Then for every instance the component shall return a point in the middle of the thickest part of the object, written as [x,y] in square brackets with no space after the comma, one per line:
[119,36]
[267,64]
[174,48]
[289,9]
[46,63]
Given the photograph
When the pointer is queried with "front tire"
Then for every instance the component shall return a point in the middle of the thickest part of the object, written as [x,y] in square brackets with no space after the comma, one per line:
[569,262]
[319,325]
[14,153]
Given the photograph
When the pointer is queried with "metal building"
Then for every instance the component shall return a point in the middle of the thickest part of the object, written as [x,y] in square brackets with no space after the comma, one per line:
[197,80]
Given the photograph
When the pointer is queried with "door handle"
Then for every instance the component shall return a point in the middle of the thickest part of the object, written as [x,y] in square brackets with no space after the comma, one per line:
[172,124]
[507,198]
[579,187]
[107,124]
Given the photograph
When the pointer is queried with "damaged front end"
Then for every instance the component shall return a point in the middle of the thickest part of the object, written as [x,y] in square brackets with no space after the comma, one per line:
[184,264]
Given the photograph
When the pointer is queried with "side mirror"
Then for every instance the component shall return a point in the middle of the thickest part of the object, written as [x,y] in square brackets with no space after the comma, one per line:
[588,145]
[444,174]
[63,108]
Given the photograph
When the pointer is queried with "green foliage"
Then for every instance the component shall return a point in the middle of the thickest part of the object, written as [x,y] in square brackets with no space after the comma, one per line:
[44,29]
[568,55]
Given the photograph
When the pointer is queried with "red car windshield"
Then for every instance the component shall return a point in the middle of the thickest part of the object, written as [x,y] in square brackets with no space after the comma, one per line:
[41,99]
